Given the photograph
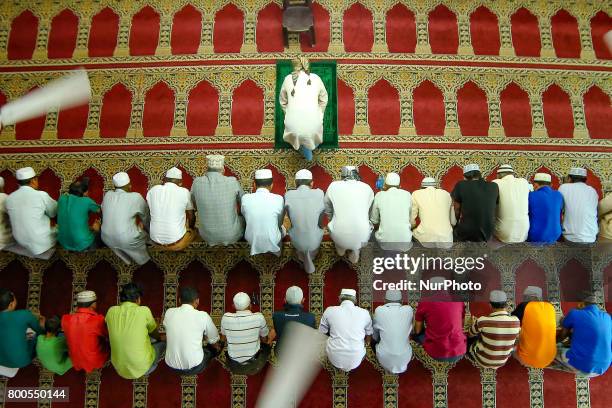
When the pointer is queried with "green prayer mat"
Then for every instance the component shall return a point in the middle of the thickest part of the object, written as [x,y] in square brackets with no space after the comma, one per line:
[327,71]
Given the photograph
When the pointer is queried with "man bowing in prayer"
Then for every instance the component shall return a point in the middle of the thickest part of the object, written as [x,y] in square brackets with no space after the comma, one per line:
[303,98]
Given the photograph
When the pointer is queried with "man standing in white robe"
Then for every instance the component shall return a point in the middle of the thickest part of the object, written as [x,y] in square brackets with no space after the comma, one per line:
[303,98]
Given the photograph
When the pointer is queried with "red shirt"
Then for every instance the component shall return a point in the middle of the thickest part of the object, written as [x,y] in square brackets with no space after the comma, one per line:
[87,339]
[444,336]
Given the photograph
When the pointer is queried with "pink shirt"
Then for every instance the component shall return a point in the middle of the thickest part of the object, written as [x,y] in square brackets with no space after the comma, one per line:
[444,336]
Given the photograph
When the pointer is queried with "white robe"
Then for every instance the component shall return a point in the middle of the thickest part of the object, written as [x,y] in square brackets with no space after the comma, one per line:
[304,110]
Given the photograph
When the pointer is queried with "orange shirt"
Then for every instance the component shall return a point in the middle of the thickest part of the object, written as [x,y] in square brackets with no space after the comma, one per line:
[537,341]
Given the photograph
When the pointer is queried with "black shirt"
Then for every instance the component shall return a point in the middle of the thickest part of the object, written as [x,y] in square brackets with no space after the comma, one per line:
[291,313]
[478,199]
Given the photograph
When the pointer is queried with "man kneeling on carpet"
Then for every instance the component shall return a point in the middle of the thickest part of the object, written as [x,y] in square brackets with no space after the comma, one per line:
[136,345]
[51,348]
[186,327]
[247,337]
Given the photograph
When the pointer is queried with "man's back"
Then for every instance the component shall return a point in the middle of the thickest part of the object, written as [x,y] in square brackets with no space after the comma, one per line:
[304,206]
[168,203]
[243,330]
[73,231]
[444,336]
[85,333]
[580,218]
[545,207]
[291,313]
[216,197]
[391,210]
[392,325]
[6,235]
[537,341]
[434,208]
[30,211]
[512,223]
[478,199]
[591,341]
[348,203]
[15,350]
[120,210]
[262,211]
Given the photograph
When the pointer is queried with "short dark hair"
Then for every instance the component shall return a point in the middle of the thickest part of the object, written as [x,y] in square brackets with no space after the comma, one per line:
[543,183]
[25,182]
[263,182]
[498,305]
[302,182]
[474,174]
[6,298]
[79,187]
[53,324]
[189,294]
[173,180]
[577,179]
[85,304]
[130,292]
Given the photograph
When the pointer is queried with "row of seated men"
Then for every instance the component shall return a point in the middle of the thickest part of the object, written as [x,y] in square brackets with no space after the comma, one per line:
[190,339]
[508,210]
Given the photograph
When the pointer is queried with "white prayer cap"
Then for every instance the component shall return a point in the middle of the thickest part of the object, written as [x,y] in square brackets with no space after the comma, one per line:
[348,292]
[174,173]
[25,173]
[348,170]
[505,168]
[533,291]
[121,179]
[1,181]
[542,177]
[436,279]
[470,167]
[215,161]
[428,182]
[498,296]
[86,296]
[393,295]
[241,301]
[263,174]
[294,295]
[303,174]
[578,171]
[392,179]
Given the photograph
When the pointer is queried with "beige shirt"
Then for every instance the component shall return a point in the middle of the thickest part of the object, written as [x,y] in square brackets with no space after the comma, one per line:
[512,221]
[434,207]
[6,235]
[391,211]
[605,218]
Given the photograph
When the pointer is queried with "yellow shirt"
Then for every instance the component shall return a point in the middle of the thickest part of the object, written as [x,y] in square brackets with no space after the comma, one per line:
[537,342]
[129,326]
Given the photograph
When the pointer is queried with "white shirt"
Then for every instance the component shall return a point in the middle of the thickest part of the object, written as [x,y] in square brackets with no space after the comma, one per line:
[580,213]
[6,235]
[30,212]
[120,210]
[392,327]
[391,210]
[262,211]
[168,203]
[185,329]
[347,204]
[347,326]
[242,331]
[304,110]
[512,222]
[434,208]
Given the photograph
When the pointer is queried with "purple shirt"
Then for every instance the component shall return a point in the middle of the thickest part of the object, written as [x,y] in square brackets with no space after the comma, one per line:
[444,336]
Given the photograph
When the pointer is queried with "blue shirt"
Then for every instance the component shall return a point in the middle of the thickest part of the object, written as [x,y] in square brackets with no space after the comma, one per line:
[590,350]
[545,206]
[291,313]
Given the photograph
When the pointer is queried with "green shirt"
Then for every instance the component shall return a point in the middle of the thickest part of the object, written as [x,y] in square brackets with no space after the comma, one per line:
[16,350]
[52,353]
[73,231]
[129,326]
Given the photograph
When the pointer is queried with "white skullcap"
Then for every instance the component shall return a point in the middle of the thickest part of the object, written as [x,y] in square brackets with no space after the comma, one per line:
[542,177]
[470,167]
[578,171]
[263,174]
[533,291]
[436,279]
[348,170]
[86,296]
[428,182]
[215,161]
[25,173]
[498,296]
[1,181]
[241,301]
[174,173]
[121,179]
[303,175]
[393,295]
[294,295]
[392,179]
[505,168]
[348,292]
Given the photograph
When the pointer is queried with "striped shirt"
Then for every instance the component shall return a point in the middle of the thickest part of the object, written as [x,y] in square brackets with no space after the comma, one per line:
[243,330]
[498,333]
